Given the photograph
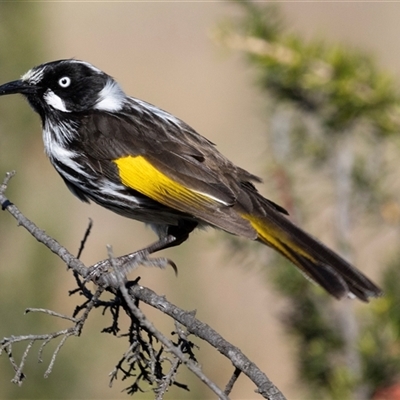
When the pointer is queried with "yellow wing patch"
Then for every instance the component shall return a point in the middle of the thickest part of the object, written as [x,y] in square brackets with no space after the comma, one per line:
[139,174]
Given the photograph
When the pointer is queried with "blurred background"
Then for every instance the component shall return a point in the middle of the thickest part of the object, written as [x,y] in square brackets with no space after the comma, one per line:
[167,54]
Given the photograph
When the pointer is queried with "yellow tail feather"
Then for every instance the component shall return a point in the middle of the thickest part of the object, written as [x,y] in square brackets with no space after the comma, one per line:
[275,238]
[312,257]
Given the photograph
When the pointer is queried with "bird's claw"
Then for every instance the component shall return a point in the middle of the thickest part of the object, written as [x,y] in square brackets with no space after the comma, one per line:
[109,270]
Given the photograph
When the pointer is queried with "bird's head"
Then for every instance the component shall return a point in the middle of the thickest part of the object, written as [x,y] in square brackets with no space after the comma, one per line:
[67,86]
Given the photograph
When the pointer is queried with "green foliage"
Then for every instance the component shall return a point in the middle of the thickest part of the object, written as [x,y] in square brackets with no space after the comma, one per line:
[319,344]
[345,95]
[379,343]
[340,84]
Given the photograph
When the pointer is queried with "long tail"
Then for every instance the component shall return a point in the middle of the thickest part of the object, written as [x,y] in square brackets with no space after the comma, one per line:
[313,258]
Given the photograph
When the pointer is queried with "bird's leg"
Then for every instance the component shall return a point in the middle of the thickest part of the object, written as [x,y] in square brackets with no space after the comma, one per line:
[128,262]
[176,234]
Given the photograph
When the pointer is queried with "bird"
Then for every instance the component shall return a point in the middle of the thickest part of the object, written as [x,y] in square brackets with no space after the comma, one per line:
[144,163]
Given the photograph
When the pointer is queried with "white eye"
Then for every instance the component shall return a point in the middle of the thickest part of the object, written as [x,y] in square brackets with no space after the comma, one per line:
[64,82]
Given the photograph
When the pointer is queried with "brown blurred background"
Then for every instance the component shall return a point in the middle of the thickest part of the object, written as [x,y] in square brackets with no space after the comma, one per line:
[162,53]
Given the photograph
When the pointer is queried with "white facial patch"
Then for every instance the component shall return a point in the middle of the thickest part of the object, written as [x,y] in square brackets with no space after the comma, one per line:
[33,76]
[111,97]
[55,101]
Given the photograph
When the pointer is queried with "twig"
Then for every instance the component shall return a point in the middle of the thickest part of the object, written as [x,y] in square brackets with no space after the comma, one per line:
[18,374]
[168,379]
[232,381]
[85,238]
[7,343]
[54,356]
[52,313]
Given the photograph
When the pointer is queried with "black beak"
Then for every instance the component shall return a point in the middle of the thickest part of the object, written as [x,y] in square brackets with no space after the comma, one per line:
[18,86]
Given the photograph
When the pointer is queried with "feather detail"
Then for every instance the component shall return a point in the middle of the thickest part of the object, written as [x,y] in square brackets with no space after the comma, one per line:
[313,258]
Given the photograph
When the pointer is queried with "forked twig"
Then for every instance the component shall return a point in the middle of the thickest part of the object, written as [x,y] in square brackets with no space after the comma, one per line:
[75,330]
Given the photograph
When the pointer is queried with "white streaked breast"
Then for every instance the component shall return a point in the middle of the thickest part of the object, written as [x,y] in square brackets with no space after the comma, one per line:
[114,190]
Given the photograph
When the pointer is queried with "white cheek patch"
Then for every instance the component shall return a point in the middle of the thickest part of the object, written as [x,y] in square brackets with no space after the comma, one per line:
[55,101]
[111,98]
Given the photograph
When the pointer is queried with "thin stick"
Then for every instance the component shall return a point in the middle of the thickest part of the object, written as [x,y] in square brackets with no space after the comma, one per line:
[232,381]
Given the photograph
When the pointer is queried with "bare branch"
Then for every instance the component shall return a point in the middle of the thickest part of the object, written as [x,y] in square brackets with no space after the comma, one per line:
[264,386]
[192,366]
[70,260]
[52,313]
[127,297]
